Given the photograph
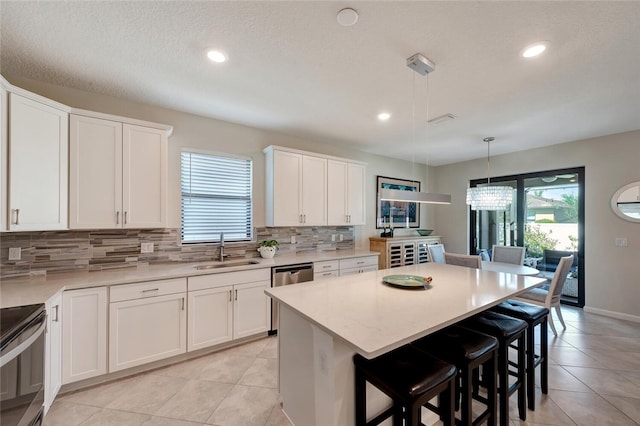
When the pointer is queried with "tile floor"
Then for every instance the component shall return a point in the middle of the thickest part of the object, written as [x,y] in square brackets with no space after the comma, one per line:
[594,380]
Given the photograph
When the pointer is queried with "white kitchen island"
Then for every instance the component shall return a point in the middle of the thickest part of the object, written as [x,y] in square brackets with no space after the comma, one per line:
[323,324]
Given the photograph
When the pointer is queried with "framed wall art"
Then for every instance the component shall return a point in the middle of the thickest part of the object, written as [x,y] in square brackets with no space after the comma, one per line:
[399,214]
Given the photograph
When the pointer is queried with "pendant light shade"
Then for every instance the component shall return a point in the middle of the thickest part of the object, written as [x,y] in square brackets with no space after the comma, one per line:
[489,197]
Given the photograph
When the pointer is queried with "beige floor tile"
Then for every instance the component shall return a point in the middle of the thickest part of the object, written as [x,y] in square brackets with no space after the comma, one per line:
[226,367]
[561,379]
[605,382]
[196,401]
[65,413]
[547,412]
[634,376]
[164,421]
[590,341]
[107,417]
[588,409]
[148,394]
[101,395]
[606,327]
[263,373]
[245,406]
[616,360]
[571,356]
[251,348]
[278,418]
[187,369]
[629,406]
[271,350]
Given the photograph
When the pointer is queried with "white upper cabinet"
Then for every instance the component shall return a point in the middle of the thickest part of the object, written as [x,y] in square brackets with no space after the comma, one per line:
[296,189]
[38,142]
[118,174]
[3,156]
[306,189]
[346,196]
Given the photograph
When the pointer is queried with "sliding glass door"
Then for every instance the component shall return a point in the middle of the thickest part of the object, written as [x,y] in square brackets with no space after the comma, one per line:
[546,217]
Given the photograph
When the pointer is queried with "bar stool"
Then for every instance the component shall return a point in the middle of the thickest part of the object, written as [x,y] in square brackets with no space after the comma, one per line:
[533,315]
[508,331]
[467,350]
[411,378]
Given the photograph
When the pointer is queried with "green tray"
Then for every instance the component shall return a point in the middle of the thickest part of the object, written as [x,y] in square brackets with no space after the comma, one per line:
[408,282]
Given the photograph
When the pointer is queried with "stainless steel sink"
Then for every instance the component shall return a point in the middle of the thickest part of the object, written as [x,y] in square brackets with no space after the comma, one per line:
[226,264]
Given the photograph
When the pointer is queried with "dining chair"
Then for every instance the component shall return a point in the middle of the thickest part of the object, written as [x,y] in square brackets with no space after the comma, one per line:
[470,261]
[551,297]
[436,253]
[508,254]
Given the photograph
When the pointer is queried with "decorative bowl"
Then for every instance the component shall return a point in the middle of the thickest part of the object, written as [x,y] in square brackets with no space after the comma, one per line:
[424,232]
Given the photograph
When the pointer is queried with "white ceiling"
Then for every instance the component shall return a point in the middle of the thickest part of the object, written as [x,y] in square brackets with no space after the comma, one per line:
[293,69]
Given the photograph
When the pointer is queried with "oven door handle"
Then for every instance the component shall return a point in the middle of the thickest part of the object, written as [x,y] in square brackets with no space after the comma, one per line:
[13,353]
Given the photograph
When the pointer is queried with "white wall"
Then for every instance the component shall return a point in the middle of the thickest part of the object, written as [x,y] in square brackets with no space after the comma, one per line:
[611,273]
[194,131]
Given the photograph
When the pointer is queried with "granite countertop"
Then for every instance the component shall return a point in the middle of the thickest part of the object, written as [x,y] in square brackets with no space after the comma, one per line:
[39,288]
[375,318]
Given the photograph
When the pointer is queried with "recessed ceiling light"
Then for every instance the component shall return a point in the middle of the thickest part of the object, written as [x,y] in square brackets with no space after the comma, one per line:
[384,116]
[347,17]
[217,56]
[534,49]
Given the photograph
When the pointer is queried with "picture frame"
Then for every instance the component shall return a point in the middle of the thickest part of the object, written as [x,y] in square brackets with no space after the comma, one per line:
[400,214]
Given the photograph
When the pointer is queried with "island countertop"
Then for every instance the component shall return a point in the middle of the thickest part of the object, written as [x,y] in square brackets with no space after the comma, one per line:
[375,318]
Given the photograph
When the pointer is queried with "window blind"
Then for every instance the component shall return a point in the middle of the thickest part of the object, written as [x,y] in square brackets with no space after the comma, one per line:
[216,198]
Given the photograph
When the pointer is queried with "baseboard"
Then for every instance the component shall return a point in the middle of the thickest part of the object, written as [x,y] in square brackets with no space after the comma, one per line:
[612,314]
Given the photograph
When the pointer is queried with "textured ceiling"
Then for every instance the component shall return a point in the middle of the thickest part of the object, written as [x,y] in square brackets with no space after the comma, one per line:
[293,69]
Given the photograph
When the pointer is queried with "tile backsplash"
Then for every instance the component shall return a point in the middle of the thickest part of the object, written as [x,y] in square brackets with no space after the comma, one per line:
[95,250]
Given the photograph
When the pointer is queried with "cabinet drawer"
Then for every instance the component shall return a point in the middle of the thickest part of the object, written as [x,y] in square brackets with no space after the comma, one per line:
[358,262]
[147,289]
[360,270]
[202,282]
[329,265]
[323,275]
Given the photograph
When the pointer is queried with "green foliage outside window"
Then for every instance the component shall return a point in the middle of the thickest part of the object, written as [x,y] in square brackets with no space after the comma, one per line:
[536,240]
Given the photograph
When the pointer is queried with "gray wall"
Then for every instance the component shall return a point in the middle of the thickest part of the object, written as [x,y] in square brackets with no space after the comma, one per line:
[611,273]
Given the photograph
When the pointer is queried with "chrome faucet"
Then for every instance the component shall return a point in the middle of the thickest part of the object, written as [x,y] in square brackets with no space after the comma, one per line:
[222,255]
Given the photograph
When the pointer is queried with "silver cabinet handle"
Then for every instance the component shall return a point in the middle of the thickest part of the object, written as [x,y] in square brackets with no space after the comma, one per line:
[183,303]
[301,219]
[326,266]
[17,216]
[118,218]
[125,217]
[56,318]
[305,218]
[150,290]
[360,263]
[326,274]
[236,294]
[230,293]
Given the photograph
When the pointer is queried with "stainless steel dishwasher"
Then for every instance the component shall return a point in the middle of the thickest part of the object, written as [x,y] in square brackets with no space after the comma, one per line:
[287,275]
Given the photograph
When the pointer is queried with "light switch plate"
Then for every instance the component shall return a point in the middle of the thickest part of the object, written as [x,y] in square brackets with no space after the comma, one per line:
[621,242]
[146,248]
[293,239]
[15,253]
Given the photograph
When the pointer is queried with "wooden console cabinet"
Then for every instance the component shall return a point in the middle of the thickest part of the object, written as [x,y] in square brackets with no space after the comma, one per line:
[402,251]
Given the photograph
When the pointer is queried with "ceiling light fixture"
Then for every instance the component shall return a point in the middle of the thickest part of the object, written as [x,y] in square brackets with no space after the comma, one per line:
[534,49]
[347,17]
[217,56]
[489,197]
[422,66]
[441,119]
[384,116]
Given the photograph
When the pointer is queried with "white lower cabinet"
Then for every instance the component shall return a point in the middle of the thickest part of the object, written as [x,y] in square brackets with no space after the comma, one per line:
[210,317]
[358,265]
[84,334]
[147,322]
[53,352]
[326,269]
[227,306]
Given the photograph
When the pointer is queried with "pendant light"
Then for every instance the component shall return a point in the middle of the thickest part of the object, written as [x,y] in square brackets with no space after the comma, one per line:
[489,197]
[422,66]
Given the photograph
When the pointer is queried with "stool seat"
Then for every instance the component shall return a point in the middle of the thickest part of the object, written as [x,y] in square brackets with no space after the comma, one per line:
[407,371]
[495,324]
[521,310]
[469,344]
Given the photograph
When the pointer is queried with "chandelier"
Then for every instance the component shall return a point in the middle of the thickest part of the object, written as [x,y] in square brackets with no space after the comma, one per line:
[489,197]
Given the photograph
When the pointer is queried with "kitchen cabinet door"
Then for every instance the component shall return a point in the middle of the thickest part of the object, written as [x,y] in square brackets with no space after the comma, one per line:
[146,330]
[38,144]
[144,177]
[53,354]
[84,334]
[345,197]
[252,309]
[284,202]
[314,191]
[4,133]
[210,317]
[95,189]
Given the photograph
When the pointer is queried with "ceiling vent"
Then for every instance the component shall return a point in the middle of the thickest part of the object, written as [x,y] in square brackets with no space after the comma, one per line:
[442,119]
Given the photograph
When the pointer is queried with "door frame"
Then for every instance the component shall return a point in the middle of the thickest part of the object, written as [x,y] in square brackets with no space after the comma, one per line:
[520,217]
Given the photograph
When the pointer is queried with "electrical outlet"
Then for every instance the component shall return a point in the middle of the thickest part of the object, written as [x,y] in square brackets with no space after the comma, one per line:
[15,253]
[333,237]
[293,239]
[621,242]
[146,248]
[341,237]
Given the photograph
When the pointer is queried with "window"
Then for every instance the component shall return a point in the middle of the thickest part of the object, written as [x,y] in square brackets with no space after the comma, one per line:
[216,197]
